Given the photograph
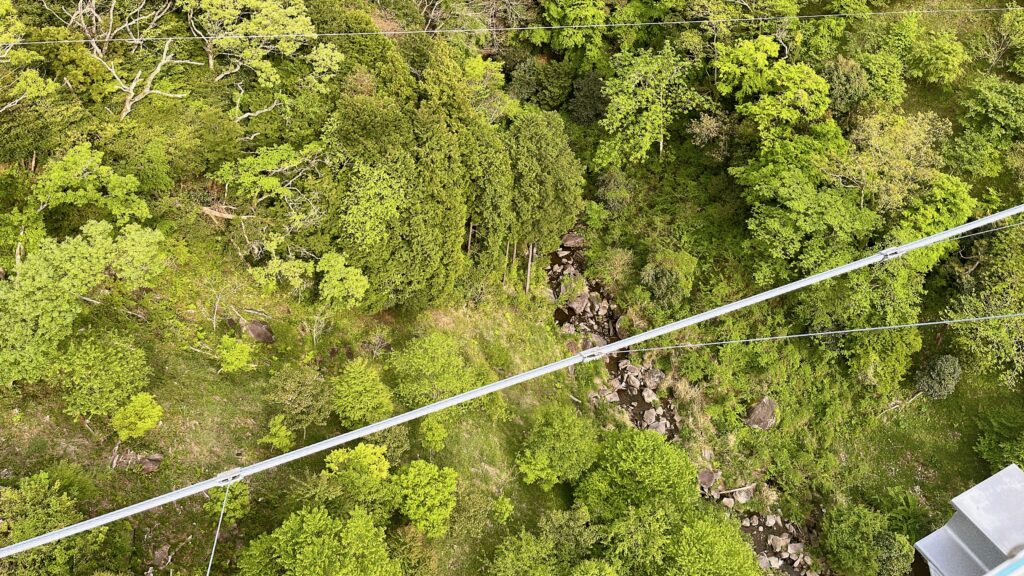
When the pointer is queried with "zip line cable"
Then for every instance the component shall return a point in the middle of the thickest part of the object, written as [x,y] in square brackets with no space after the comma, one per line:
[484,30]
[829,333]
[230,477]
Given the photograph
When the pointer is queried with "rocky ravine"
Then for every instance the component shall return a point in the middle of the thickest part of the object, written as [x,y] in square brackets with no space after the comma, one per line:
[640,390]
[591,313]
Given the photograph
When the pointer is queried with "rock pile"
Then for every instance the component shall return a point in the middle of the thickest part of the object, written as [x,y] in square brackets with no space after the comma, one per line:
[587,310]
[779,545]
[635,388]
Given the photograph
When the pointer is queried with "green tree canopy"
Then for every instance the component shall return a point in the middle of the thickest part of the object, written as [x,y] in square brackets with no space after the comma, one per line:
[647,94]
[360,395]
[560,447]
[637,468]
[36,506]
[427,496]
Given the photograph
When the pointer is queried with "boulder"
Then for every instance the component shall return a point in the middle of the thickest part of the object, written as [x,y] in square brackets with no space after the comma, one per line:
[579,303]
[650,416]
[660,426]
[572,240]
[744,495]
[649,396]
[762,414]
[151,463]
[728,502]
[708,477]
[258,331]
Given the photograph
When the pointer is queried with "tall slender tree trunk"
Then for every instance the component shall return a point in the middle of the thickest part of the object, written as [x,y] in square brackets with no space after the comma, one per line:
[504,272]
[469,245]
[529,264]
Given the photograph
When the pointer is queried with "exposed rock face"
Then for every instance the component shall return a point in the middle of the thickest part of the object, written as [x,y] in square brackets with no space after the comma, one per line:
[258,331]
[572,240]
[762,414]
[589,312]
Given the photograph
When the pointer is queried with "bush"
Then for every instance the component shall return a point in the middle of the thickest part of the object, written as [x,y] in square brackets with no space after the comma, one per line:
[360,396]
[235,355]
[430,368]
[102,374]
[858,542]
[303,395]
[561,446]
[279,436]
[940,379]
[427,496]
[638,468]
[237,505]
[140,415]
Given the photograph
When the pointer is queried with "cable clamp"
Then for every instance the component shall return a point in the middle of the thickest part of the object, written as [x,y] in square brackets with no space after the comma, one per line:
[593,353]
[229,477]
[891,253]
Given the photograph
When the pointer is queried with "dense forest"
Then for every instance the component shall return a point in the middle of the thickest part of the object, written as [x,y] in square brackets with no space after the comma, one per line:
[230,228]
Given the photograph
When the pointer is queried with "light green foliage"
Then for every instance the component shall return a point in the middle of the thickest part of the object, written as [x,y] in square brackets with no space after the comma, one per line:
[857,541]
[594,568]
[229,27]
[235,355]
[101,374]
[20,86]
[939,380]
[38,307]
[548,178]
[433,432]
[1011,28]
[711,546]
[237,504]
[359,476]
[79,178]
[38,505]
[560,447]
[429,368]
[647,94]
[341,286]
[776,95]
[933,56]
[570,14]
[278,435]
[302,394]
[360,396]
[271,174]
[637,468]
[502,510]
[312,543]
[140,415]
[563,539]
[895,156]
[427,496]
[995,347]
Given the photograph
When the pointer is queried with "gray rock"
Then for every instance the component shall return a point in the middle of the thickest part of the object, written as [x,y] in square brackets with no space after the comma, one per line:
[258,331]
[661,427]
[649,396]
[572,240]
[708,477]
[579,303]
[762,414]
[728,502]
[650,416]
[744,495]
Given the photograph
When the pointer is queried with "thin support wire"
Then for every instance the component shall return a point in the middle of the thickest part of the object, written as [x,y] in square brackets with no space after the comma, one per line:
[829,333]
[220,520]
[484,30]
[1008,226]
